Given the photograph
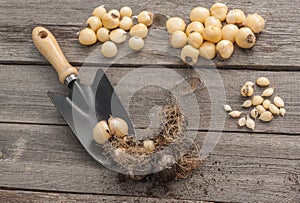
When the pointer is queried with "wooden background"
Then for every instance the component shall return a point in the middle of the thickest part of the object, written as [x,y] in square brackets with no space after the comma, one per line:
[40,158]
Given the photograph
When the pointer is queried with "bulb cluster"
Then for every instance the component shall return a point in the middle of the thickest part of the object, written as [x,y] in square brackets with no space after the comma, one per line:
[263,108]
[112,28]
[213,32]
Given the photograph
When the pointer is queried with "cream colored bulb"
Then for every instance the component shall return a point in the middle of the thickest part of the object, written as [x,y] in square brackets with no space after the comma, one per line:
[103,34]
[194,27]
[195,39]
[255,22]
[213,21]
[189,54]
[263,82]
[229,32]
[100,11]
[207,50]
[87,36]
[212,34]
[101,132]
[225,49]
[146,17]
[118,36]
[236,16]
[257,100]
[110,21]
[149,145]
[126,23]
[199,14]
[219,10]
[118,127]
[125,11]
[245,38]
[94,23]
[247,91]
[136,43]
[139,30]
[266,116]
[115,12]
[109,49]
[175,24]
[178,39]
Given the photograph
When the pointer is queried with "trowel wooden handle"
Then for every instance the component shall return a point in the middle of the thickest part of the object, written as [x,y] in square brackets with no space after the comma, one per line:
[46,43]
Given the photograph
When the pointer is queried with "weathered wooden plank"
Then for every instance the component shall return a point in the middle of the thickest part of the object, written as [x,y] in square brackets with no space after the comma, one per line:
[11,196]
[49,158]
[277,46]
[24,100]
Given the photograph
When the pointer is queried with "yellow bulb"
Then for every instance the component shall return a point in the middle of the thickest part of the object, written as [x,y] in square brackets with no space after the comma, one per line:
[87,36]
[219,10]
[175,24]
[195,39]
[126,23]
[212,34]
[126,11]
[207,50]
[110,21]
[194,27]
[189,54]
[245,38]
[225,49]
[236,16]
[255,22]
[103,34]
[139,30]
[146,18]
[178,39]
[94,23]
[118,36]
[212,21]
[115,12]
[100,11]
[229,32]
[199,14]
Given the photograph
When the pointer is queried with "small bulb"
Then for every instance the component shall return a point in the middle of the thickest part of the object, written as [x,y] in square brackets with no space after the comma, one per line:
[136,43]
[94,23]
[118,36]
[87,36]
[194,27]
[175,24]
[212,21]
[149,145]
[245,38]
[207,50]
[189,54]
[126,11]
[103,34]
[199,14]
[101,132]
[263,81]
[118,127]
[139,30]
[212,34]
[126,23]
[225,49]
[229,32]
[115,12]
[146,18]
[110,21]
[255,22]
[236,16]
[178,39]
[109,49]
[195,39]
[219,10]
[100,11]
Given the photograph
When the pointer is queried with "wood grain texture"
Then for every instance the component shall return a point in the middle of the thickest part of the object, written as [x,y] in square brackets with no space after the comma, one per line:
[9,196]
[24,99]
[277,47]
[49,158]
